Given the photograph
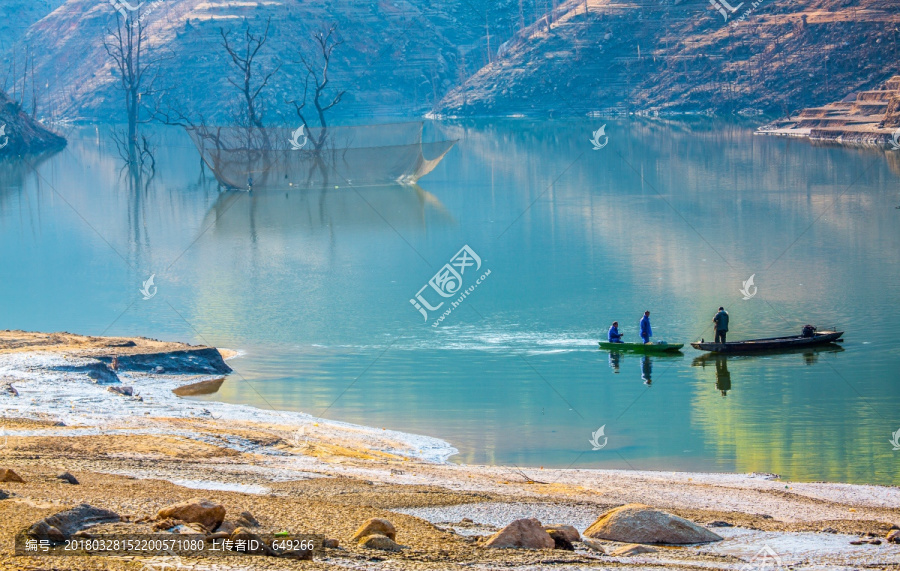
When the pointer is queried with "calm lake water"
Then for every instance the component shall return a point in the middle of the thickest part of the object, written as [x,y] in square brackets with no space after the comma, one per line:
[314,288]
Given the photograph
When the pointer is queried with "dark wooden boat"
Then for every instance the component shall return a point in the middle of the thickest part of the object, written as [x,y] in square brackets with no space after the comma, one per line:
[771,344]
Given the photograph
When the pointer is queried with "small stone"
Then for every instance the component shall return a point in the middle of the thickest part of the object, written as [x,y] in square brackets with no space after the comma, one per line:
[378,541]
[893,536]
[166,524]
[874,542]
[631,550]
[593,544]
[829,530]
[159,370]
[522,534]
[66,477]
[226,527]
[719,523]
[218,536]
[466,520]
[330,543]
[376,526]
[190,529]
[124,391]
[857,542]
[195,510]
[7,475]
[246,519]
[252,542]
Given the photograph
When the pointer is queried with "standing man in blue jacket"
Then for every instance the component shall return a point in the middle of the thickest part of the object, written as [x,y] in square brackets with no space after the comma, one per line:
[646,332]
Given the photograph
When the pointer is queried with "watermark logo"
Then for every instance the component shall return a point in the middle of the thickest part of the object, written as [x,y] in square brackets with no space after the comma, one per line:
[298,438]
[3,134]
[723,5]
[595,438]
[123,7]
[894,142]
[896,440]
[296,145]
[765,559]
[149,290]
[448,283]
[597,135]
[749,290]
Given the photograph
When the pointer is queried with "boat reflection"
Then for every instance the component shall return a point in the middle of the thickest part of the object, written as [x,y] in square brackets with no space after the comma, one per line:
[810,356]
[646,364]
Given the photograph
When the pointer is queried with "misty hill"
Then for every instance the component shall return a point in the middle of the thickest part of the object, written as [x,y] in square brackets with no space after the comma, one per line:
[683,56]
[398,58]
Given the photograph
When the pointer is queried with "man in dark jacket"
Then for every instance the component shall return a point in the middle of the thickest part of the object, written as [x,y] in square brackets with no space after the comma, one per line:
[646,332]
[721,321]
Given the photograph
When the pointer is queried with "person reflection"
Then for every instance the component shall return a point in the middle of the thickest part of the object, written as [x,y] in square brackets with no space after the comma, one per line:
[646,369]
[723,377]
[614,361]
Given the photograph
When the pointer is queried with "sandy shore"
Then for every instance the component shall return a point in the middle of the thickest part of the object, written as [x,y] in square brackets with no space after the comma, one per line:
[136,454]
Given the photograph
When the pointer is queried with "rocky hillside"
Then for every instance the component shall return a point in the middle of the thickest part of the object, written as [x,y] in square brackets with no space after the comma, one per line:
[20,135]
[770,56]
[398,57]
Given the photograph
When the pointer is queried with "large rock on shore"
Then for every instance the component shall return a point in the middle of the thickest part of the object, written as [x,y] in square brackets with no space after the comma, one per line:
[376,526]
[61,526]
[196,510]
[522,534]
[637,523]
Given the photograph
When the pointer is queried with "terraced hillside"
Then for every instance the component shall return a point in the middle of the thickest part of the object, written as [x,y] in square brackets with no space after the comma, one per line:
[770,56]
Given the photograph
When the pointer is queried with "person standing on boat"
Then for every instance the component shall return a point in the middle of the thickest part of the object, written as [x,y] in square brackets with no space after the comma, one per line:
[614,336]
[646,332]
[721,321]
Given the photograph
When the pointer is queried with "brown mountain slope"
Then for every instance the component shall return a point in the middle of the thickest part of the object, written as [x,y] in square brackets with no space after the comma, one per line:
[613,55]
[398,57]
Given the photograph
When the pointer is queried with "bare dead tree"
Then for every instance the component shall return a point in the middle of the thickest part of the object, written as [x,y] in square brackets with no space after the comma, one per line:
[137,74]
[317,69]
[243,57]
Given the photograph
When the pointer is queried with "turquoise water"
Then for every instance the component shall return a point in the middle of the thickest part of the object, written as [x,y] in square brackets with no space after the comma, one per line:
[314,289]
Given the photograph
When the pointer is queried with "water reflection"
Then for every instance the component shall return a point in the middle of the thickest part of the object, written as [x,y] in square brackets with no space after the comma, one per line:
[810,356]
[279,212]
[646,364]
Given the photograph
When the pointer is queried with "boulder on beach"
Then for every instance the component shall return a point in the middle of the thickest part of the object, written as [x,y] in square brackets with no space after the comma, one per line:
[893,536]
[7,475]
[4,495]
[195,510]
[637,523]
[330,543]
[376,526]
[61,526]
[570,533]
[632,549]
[522,534]
[378,541]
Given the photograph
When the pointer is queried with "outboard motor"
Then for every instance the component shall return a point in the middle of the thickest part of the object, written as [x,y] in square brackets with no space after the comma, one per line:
[808,331]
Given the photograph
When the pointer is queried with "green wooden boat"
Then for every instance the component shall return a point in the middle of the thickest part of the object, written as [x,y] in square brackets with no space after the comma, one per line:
[642,347]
